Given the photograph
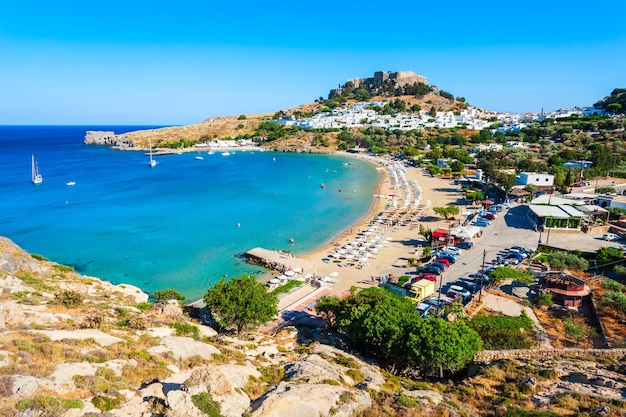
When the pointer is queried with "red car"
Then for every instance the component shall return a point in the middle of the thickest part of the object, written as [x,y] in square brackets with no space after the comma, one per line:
[444,261]
[488,216]
[428,276]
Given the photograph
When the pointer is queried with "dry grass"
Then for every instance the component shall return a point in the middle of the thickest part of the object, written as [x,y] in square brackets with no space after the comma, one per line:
[614,324]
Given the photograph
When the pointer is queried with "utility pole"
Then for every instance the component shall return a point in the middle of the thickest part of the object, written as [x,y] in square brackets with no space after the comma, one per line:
[439,298]
[482,275]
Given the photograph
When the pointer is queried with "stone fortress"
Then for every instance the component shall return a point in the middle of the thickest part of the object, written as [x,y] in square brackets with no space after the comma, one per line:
[397,79]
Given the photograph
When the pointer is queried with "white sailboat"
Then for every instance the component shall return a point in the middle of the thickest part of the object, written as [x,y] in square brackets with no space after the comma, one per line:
[152,161]
[36,176]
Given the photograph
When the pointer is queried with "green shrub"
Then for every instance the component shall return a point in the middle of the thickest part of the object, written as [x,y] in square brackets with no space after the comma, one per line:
[63,268]
[283,289]
[503,332]
[168,294]
[612,285]
[545,299]
[356,375]
[406,401]
[48,406]
[186,329]
[143,306]
[38,257]
[104,403]
[205,403]
[615,300]
[403,280]
[331,382]
[69,298]
[506,272]
[565,260]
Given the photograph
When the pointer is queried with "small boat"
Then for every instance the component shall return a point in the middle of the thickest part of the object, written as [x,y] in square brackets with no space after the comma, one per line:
[225,153]
[291,240]
[210,153]
[36,176]
[199,158]
[70,183]
[152,162]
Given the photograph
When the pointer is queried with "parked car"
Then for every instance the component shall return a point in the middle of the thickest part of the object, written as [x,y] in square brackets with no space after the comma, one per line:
[469,286]
[522,249]
[443,300]
[481,222]
[479,276]
[489,216]
[453,249]
[516,255]
[518,251]
[444,261]
[439,265]
[455,289]
[448,258]
[476,281]
[610,236]
[464,245]
[428,275]
[430,268]
[448,253]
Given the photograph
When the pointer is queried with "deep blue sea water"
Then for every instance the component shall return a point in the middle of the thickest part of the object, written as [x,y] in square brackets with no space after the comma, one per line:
[174,225]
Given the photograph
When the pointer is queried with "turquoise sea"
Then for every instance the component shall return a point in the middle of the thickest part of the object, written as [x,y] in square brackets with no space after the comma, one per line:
[178,225]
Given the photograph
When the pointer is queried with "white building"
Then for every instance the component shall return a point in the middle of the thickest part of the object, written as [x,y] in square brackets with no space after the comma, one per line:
[526,178]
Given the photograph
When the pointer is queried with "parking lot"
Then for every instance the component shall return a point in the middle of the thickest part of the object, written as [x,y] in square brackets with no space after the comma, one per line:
[510,228]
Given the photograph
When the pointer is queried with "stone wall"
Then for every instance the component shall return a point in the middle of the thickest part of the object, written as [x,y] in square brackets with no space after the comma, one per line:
[494,355]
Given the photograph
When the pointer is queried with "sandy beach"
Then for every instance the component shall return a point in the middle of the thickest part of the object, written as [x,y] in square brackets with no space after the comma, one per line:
[384,239]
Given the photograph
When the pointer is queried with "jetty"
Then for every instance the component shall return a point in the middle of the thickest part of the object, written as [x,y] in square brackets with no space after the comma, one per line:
[279,261]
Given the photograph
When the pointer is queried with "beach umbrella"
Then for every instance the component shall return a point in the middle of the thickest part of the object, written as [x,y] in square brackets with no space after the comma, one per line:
[274,281]
[289,273]
[334,274]
[487,202]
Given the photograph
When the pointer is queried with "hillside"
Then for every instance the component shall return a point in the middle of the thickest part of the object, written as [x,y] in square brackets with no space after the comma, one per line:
[72,345]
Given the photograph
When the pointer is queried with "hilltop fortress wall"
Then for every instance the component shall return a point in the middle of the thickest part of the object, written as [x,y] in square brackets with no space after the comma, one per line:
[398,79]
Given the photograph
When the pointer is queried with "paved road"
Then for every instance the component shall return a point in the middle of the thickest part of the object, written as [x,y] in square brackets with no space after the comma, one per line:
[509,229]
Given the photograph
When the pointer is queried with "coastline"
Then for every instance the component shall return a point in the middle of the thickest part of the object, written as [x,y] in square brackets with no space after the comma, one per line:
[399,241]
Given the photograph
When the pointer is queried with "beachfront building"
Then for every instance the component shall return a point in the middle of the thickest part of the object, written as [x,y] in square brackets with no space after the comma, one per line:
[547,212]
[611,201]
[526,178]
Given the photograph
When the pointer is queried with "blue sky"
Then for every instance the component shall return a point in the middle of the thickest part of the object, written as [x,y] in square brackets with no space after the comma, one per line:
[124,62]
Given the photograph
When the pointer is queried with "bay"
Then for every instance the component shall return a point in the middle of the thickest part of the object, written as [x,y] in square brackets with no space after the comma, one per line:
[178,225]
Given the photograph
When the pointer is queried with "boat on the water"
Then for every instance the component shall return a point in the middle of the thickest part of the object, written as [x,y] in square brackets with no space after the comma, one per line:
[152,161]
[225,153]
[70,183]
[199,158]
[36,176]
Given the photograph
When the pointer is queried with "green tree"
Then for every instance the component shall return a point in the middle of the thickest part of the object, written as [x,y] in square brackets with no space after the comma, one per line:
[447,212]
[457,166]
[607,255]
[377,320]
[506,181]
[242,302]
[168,294]
[438,344]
